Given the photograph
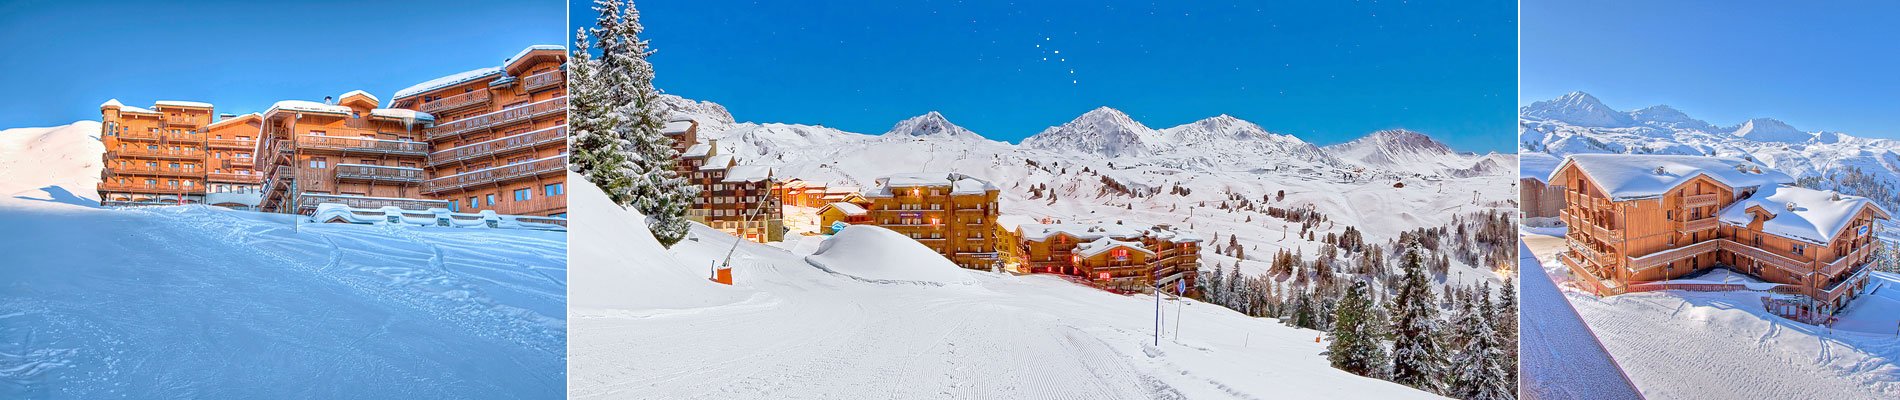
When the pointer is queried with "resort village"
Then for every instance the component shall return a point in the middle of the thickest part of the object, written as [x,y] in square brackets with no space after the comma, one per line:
[481,147]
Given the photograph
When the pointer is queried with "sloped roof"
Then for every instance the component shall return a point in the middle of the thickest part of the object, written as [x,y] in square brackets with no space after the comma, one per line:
[1643,176]
[1817,216]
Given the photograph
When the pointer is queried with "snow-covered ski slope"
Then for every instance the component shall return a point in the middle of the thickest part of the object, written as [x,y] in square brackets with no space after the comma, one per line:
[1559,357]
[1724,345]
[788,329]
[1209,161]
[203,302]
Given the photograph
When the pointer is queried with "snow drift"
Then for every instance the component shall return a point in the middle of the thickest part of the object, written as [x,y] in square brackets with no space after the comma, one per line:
[619,265]
[56,164]
[880,255]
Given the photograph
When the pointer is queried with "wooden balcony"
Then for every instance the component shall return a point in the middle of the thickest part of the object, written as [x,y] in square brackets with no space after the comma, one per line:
[363,145]
[182,121]
[154,171]
[544,80]
[1765,257]
[244,144]
[238,163]
[1661,258]
[455,102]
[505,173]
[512,115]
[1592,255]
[1841,287]
[227,177]
[135,152]
[149,136]
[378,173]
[1856,257]
[152,189]
[1602,233]
[1700,200]
[525,140]
[1696,225]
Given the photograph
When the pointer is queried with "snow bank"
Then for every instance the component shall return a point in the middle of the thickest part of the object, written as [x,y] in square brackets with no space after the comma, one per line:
[1816,216]
[619,265]
[876,254]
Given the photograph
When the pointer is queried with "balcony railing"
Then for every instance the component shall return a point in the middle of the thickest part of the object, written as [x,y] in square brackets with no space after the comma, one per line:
[455,102]
[378,173]
[181,121]
[496,174]
[188,153]
[1661,258]
[556,134]
[240,162]
[148,170]
[246,144]
[234,177]
[543,80]
[1698,225]
[1764,256]
[498,118]
[364,145]
[143,188]
[1699,200]
[1603,233]
[308,201]
[1852,258]
[182,137]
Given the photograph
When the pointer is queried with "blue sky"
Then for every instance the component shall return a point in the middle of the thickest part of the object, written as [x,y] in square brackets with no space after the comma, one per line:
[1326,72]
[1816,65]
[243,56]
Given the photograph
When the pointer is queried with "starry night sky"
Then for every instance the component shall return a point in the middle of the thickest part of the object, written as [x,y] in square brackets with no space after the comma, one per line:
[1326,72]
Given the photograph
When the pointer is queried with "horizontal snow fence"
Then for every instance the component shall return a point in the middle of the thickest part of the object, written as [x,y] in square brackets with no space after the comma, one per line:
[439,217]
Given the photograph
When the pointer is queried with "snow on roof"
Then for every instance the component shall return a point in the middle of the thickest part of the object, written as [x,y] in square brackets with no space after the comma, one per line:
[111,103]
[841,189]
[698,150]
[1041,232]
[717,162]
[1818,216]
[1102,245]
[307,106]
[1642,176]
[747,173]
[959,183]
[181,103]
[676,127]
[230,120]
[846,208]
[357,92]
[136,110]
[1536,165]
[530,49]
[446,81]
[402,114]
[1011,222]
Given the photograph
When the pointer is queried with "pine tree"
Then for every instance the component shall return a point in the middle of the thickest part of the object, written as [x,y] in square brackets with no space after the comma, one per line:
[1507,329]
[634,116]
[1355,348]
[1416,358]
[597,153]
[1481,367]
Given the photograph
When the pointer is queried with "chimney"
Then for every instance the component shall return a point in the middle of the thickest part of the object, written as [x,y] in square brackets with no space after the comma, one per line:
[328,101]
[226,116]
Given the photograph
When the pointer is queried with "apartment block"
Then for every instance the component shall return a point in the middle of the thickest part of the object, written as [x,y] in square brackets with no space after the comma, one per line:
[176,152]
[347,151]
[951,213]
[1640,218]
[1112,256]
[498,135]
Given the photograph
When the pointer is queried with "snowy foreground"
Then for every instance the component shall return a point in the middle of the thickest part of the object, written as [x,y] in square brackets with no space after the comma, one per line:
[648,324]
[201,302]
[1678,344]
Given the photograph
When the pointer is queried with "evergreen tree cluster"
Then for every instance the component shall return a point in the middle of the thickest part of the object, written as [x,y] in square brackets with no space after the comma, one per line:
[616,120]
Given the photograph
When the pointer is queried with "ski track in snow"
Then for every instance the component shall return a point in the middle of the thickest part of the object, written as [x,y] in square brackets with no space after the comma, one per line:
[809,333]
[201,302]
[1676,344]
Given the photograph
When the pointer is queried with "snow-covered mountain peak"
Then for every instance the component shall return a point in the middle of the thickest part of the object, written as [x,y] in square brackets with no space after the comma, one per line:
[1577,108]
[1396,149]
[1771,130]
[711,116]
[931,124]
[1104,131]
[1666,116]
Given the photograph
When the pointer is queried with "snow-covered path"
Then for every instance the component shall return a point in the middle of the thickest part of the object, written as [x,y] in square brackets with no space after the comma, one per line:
[1559,357]
[1677,344]
[198,302]
[795,331]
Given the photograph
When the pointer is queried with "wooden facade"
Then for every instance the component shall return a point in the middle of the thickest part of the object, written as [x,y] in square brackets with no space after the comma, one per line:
[1069,249]
[176,152]
[1616,242]
[950,213]
[349,152]
[499,137]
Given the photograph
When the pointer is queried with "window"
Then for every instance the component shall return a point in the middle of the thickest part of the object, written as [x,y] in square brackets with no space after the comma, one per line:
[1798,248]
[523,195]
[558,215]
[453,206]
[491,199]
[319,163]
[553,189]
[474,202]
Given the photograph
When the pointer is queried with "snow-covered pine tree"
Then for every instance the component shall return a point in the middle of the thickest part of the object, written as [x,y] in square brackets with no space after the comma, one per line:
[657,190]
[1354,348]
[1416,358]
[1480,374]
[1507,329]
[596,152]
